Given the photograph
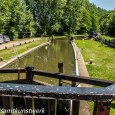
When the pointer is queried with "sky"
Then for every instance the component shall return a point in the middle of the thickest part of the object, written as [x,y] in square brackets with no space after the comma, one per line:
[105,4]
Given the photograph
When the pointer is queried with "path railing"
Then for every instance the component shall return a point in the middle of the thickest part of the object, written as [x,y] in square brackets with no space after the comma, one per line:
[101,96]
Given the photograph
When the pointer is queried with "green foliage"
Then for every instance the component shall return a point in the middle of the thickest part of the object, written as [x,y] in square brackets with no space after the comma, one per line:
[86,22]
[55,17]
[15,19]
[104,59]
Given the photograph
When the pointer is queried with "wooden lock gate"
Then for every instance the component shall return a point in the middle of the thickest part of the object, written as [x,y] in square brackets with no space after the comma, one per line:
[102,97]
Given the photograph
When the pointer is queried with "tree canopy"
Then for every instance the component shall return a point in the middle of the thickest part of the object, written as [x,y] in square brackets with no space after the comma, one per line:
[57,17]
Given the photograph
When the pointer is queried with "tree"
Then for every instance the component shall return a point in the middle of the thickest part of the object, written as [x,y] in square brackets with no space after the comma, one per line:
[86,22]
[16,18]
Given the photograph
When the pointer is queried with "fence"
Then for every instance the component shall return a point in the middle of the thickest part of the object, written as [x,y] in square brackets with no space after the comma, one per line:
[101,96]
[110,43]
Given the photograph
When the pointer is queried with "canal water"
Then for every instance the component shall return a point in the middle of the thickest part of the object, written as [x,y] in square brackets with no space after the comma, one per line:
[45,58]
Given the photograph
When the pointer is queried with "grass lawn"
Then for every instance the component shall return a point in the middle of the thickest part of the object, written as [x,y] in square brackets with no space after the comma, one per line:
[104,59]
[6,54]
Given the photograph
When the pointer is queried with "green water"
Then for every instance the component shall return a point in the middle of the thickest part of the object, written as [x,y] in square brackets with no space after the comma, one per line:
[46,58]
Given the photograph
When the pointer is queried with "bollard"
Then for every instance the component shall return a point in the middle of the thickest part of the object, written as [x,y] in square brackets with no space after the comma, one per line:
[25,42]
[60,66]
[33,40]
[13,45]
[5,47]
[30,75]
[91,61]
[27,47]
[82,48]
[20,44]
[1,58]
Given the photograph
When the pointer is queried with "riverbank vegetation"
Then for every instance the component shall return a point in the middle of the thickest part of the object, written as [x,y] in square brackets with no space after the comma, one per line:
[104,59]
[6,53]
[53,17]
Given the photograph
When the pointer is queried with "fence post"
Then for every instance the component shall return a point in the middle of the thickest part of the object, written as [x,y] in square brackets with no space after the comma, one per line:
[30,75]
[60,66]
[73,84]
[29,103]
[8,104]
[75,107]
[75,104]
[52,107]
[101,108]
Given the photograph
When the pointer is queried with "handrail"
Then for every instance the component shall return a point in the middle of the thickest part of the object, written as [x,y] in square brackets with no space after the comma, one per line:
[74,78]
[102,97]
[38,91]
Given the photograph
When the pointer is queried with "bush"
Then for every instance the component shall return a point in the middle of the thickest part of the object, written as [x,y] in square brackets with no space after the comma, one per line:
[65,34]
[85,34]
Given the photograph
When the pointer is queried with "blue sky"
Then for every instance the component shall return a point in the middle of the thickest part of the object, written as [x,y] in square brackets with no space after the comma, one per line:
[105,4]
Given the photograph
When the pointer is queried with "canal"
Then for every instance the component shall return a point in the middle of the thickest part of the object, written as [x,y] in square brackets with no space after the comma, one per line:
[46,58]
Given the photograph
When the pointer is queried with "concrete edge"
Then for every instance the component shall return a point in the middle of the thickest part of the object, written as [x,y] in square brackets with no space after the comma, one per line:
[23,54]
[76,64]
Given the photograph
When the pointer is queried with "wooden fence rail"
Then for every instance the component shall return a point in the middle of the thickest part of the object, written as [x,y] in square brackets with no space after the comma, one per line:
[102,96]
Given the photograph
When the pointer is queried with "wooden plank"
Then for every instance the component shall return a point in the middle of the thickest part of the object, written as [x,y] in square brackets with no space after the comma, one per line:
[43,83]
[52,107]
[79,93]
[11,70]
[101,108]
[7,103]
[30,105]
[60,66]
[14,81]
[75,107]
[75,78]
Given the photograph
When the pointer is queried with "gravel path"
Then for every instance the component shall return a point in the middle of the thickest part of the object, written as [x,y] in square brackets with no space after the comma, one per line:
[11,43]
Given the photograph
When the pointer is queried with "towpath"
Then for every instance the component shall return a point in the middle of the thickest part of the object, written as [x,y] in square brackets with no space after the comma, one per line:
[17,42]
[84,105]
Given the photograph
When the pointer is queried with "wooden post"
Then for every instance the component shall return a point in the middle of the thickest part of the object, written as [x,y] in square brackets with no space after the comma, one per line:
[101,108]
[75,107]
[60,66]
[29,103]
[8,105]
[75,104]
[30,75]
[52,107]
[73,84]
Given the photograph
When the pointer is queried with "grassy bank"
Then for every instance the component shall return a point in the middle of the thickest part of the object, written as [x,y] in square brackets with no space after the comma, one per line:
[108,37]
[104,59]
[6,54]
